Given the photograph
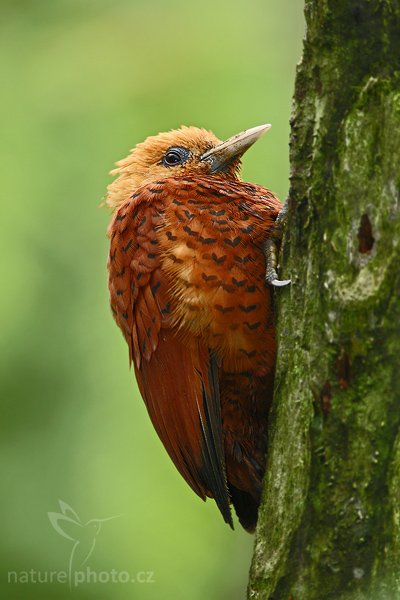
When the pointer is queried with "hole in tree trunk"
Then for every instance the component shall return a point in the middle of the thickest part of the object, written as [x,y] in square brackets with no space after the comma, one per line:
[343,369]
[365,238]
[326,397]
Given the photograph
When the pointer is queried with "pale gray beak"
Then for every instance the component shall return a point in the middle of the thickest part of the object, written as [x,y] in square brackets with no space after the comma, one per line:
[222,155]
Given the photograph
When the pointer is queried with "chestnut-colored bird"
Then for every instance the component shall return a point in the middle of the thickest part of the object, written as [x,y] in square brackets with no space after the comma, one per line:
[190,247]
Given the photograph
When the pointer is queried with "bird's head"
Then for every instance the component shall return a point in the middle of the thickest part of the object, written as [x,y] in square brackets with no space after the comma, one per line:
[181,152]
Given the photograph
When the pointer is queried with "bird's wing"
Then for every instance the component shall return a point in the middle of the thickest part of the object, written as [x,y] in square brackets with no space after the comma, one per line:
[177,379]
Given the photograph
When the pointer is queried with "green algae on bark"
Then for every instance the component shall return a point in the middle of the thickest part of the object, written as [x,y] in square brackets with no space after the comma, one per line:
[329,523]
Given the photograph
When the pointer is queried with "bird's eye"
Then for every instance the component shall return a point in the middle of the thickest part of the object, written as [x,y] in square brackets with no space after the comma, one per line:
[175,156]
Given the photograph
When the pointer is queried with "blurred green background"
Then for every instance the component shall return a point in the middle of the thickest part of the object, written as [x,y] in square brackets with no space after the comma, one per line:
[82,82]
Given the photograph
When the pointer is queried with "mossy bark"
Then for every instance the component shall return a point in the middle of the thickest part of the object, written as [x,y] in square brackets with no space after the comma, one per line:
[329,525]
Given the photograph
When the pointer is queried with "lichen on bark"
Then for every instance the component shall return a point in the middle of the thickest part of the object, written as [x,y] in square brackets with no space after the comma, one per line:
[329,524]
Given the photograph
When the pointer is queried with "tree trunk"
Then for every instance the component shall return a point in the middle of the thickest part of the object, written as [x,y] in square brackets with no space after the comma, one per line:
[329,525]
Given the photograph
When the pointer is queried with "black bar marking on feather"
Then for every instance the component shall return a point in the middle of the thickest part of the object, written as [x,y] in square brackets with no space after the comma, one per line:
[128,245]
[166,310]
[251,354]
[224,309]
[209,277]
[228,288]
[247,229]
[219,260]
[248,309]
[135,211]
[154,288]
[244,259]
[252,326]
[204,240]
[239,283]
[233,242]
[190,231]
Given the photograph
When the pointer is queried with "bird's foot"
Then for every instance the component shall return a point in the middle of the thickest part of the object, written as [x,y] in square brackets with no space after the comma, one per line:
[271,250]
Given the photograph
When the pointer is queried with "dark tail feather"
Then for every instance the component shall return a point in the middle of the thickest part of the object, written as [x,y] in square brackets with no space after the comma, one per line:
[246,508]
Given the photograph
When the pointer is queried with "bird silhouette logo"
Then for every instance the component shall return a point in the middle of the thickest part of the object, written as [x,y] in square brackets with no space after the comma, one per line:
[83,534]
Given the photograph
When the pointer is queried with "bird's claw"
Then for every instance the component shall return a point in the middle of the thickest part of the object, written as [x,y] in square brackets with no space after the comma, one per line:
[271,277]
[280,282]
[271,252]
